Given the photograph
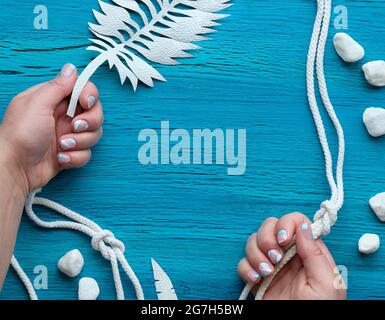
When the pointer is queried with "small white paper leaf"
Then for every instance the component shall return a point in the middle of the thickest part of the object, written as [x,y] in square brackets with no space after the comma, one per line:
[140,68]
[101,44]
[105,31]
[182,29]
[124,72]
[162,32]
[119,16]
[133,6]
[169,49]
[94,48]
[164,288]
[105,21]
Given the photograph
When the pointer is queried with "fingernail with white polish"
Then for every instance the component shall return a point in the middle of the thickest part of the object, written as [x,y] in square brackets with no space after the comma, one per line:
[253,276]
[282,236]
[274,255]
[307,232]
[91,100]
[80,125]
[67,143]
[265,269]
[67,70]
[63,158]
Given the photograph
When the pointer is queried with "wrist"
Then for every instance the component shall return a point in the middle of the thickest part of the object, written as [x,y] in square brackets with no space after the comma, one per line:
[13,170]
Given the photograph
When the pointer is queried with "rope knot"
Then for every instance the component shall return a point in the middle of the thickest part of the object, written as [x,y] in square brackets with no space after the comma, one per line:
[325,218]
[104,241]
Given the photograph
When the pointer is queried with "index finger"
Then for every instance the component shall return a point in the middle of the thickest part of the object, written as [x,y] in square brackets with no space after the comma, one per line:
[286,226]
[285,231]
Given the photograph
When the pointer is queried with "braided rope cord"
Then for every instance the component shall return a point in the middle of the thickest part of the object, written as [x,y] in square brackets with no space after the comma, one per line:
[326,216]
[102,240]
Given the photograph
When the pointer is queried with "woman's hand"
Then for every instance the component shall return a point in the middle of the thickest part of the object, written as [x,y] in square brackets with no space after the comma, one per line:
[40,139]
[309,275]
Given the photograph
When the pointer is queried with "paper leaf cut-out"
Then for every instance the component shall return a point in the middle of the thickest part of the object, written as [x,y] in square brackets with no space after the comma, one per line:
[164,288]
[162,32]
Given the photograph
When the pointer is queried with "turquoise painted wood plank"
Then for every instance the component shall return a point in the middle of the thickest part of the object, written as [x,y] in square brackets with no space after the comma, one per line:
[194,220]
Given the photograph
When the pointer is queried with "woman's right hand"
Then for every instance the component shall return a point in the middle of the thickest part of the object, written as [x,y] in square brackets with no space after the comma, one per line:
[309,275]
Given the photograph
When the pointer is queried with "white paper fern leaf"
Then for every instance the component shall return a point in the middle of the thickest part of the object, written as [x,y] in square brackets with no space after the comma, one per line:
[162,31]
[164,288]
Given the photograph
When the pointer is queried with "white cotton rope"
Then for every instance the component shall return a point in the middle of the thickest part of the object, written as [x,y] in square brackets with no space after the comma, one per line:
[24,278]
[326,216]
[102,240]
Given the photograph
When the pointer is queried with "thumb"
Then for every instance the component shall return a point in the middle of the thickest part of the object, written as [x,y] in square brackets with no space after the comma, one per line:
[54,91]
[314,260]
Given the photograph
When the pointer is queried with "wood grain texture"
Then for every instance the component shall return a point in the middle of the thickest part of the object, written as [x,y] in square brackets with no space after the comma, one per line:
[194,220]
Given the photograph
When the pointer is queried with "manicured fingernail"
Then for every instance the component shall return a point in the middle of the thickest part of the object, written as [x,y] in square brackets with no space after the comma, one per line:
[67,143]
[67,70]
[253,276]
[306,230]
[91,100]
[282,236]
[304,226]
[274,255]
[63,158]
[265,269]
[80,125]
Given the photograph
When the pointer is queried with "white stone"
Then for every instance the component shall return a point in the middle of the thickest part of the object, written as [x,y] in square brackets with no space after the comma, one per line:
[374,120]
[368,243]
[377,203]
[347,48]
[71,263]
[375,72]
[88,289]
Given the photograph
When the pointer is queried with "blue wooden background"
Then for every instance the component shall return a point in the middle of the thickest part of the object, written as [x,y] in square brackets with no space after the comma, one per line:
[194,220]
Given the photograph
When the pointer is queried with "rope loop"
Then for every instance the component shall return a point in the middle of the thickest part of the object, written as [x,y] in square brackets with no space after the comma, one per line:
[104,240]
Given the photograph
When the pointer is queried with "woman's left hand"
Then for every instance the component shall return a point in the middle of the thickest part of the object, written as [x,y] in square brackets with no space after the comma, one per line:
[38,137]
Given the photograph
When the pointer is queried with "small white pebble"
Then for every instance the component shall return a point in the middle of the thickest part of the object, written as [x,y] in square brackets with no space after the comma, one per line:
[71,263]
[347,48]
[88,289]
[368,243]
[377,203]
[375,73]
[374,120]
